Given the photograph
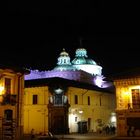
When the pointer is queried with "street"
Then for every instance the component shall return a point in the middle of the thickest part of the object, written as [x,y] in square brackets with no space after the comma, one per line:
[88,136]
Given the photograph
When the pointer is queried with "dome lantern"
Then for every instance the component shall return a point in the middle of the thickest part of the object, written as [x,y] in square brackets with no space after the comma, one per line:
[63,63]
[64,58]
[81,52]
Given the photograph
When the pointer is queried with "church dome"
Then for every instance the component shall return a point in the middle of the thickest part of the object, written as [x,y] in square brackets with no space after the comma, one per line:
[79,61]
[82,58]
[90,61]
[63,58]
[65,68]
[64,62]
[82,62]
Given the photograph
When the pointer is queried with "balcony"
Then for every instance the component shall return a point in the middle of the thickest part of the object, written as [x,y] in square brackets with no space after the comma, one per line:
[8,99]
[133,106]
[133,110]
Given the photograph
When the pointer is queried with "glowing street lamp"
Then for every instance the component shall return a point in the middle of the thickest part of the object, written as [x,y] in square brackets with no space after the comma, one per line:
[80,111]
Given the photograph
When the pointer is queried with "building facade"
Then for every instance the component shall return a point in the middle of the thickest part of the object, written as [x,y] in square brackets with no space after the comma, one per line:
[11,103]
[74,93]
[128,103]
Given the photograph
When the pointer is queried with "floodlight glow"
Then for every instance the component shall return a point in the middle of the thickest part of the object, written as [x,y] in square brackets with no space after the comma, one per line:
[58,91]
[1,90]
[99,81]
[92,69]
[113,118]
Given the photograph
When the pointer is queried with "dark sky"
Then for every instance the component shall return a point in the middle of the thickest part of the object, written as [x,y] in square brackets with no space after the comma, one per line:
[34,33]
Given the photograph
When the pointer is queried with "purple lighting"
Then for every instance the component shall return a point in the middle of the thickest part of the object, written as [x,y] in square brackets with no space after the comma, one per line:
[81,69]
[70,75]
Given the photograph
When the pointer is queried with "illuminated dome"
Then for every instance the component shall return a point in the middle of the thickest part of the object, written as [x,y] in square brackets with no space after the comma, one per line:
[82,62]
[64,53]
[81,57]
[90,61]
[81,69]
[81,52]
[64,62]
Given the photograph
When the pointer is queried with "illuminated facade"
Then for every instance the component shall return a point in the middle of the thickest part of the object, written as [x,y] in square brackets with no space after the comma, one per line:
[57,105]
[11,103]
[128,103]
[72,92]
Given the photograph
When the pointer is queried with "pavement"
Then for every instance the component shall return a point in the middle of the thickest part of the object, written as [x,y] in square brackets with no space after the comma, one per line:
[87,136]
[94,136]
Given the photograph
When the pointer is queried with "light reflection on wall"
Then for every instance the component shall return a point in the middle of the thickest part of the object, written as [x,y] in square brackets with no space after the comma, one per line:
[1,90]
[1,93]
[98,81]
[113,119]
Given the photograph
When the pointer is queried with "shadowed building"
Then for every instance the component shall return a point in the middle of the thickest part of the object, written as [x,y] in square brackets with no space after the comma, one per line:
[11,102]
[73,97]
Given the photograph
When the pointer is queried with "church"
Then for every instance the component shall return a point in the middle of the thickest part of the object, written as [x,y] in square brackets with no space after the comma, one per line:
[74,97]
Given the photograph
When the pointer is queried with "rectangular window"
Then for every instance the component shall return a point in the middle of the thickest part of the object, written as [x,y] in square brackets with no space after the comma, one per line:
[88,100]
[35,99]
[75,119]
[100,100]
[135,98]
[76,99]
[7,86]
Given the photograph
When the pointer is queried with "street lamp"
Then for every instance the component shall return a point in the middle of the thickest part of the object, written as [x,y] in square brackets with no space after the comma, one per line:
[80,112]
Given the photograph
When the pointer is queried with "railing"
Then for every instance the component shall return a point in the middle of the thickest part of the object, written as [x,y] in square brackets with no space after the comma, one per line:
[8,99]
[133,105]
[8,129]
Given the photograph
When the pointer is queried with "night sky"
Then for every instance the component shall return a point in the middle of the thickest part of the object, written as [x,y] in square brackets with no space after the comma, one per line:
[34,33]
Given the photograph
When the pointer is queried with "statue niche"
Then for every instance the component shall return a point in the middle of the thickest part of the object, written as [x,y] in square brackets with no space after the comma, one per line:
[58,97]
